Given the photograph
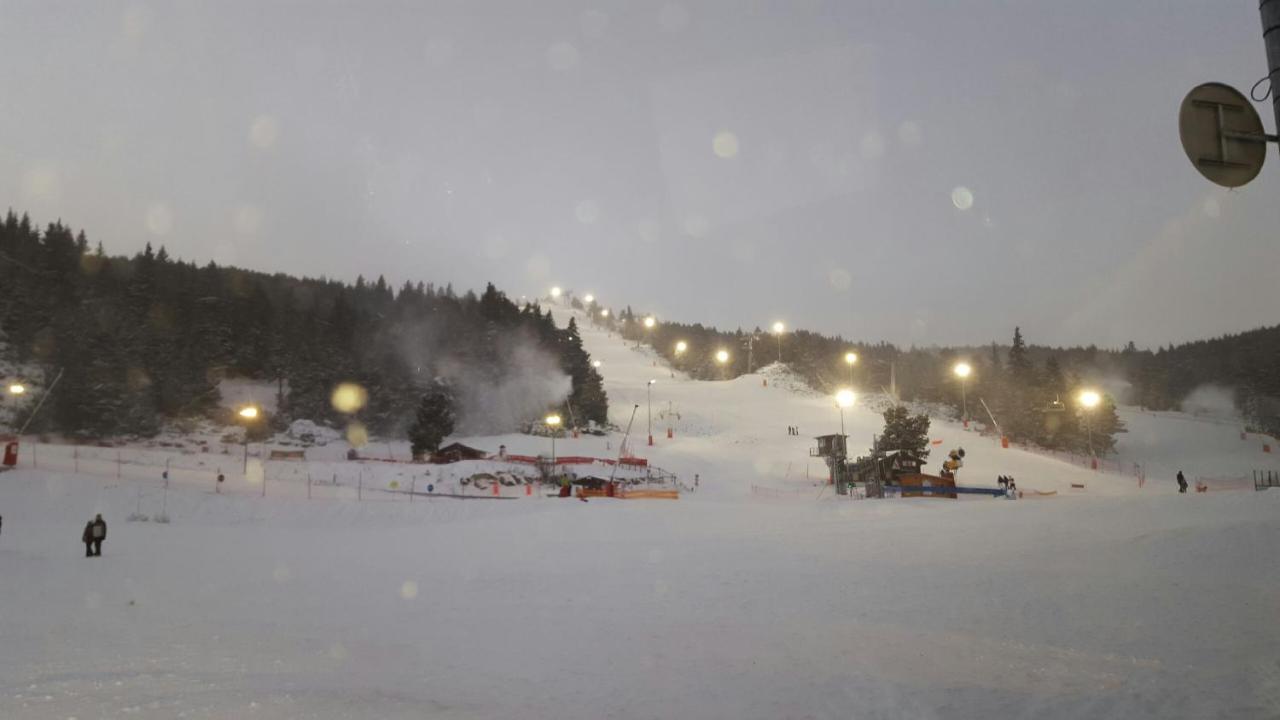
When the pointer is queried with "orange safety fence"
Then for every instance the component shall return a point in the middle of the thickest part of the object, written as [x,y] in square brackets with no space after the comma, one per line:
[650,495]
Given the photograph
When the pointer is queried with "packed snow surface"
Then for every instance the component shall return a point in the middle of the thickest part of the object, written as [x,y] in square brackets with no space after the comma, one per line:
[1107,601]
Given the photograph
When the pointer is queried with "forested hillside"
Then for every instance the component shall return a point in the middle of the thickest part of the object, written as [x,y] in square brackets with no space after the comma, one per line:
[1032,391]
[146,339]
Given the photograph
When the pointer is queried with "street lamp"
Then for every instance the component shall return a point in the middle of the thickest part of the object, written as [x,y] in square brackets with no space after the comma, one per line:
[681,347]
[722,358]
[249,414]
[649,409]
[1089,399]
[778,329]
[962,371]
[556,292]
[553,422]
[17,389]
[648,323]
[851,359]
[604,312]
[589,298]
[844,398]
[596,364]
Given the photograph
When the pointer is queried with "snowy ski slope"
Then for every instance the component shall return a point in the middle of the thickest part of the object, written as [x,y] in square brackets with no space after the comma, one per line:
[1117,602]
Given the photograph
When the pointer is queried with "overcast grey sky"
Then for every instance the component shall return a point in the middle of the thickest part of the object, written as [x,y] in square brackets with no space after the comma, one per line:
[918,172]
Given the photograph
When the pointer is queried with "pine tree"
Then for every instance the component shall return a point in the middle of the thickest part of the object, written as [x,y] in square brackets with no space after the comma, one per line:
[434,421]
[587,397]
[904,431]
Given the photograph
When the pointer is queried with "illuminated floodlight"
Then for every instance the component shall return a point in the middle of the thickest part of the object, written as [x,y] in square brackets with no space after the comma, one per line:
[962,370]
[845,398]
[1090,399]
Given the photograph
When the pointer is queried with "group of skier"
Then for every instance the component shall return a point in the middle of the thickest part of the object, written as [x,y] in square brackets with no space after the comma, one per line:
[95,531]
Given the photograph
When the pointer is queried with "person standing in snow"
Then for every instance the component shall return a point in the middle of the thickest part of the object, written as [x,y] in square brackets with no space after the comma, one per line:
[99,533]
[87,538]
[1182,482]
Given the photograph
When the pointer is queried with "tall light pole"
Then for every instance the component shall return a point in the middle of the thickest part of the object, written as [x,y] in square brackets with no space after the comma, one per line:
[962,371]
[249,414]
[778,329]
[1089,399]
[648,411]
[722,359]
[845,398]
[553,422]
[851,359]
[1270,12]
[649,322]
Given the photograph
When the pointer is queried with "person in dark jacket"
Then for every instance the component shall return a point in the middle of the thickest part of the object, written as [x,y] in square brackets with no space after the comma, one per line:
[1182,482]
[99,534]
[87,538]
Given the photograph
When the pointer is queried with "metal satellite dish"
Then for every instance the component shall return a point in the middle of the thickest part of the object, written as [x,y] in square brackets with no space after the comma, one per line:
[1222,134]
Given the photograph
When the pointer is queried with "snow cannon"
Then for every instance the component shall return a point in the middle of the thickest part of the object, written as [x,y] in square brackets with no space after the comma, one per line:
[954,461]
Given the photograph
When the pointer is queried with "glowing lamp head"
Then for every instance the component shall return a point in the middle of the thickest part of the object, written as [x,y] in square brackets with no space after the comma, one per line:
[589,298]
[348,397]
[963,370]
[249,412]
[851,357]
[650,322]
[681,347]
[596,364]
[604,313]
[1090,399]
[17,389]
[779,328]
[553,420]
[556,292]
[845,398]
[722,356]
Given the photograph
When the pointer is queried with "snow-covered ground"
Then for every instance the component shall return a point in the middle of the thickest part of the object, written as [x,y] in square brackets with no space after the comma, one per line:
[1117,601]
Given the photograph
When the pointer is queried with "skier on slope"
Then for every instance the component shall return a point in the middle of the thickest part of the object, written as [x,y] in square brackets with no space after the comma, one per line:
[87,538]
[1182,482]
[99,533]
